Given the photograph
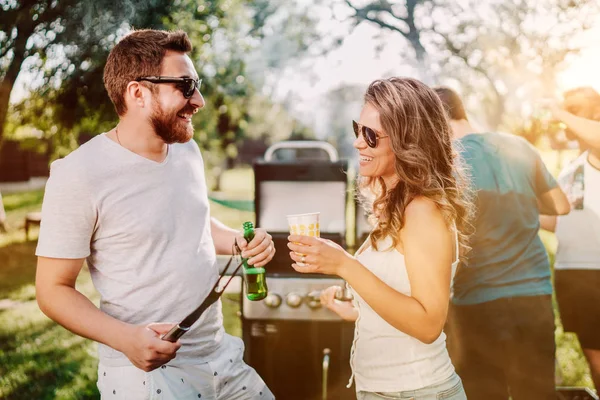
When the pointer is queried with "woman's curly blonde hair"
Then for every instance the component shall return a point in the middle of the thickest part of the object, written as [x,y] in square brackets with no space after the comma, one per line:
[426,162]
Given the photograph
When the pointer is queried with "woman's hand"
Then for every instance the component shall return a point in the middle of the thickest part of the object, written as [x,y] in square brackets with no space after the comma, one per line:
[316,255]
[345,309]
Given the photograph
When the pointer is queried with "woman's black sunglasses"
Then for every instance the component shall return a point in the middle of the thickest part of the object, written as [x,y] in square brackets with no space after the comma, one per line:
[187,85]
[370,135]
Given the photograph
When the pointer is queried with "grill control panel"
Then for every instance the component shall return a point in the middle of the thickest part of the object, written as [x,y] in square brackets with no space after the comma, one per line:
[292,299]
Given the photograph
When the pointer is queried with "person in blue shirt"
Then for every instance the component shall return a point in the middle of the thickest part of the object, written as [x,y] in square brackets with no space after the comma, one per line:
[501,323]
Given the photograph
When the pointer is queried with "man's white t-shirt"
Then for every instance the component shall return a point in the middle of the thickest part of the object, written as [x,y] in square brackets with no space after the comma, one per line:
[578,232]
[144,228]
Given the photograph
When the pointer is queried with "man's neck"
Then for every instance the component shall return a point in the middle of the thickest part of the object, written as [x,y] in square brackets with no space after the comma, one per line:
[461,128]
[139,138]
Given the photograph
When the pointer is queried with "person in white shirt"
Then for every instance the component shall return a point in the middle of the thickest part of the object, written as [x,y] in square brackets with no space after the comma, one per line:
[401,276]
[133,203]
[577,263]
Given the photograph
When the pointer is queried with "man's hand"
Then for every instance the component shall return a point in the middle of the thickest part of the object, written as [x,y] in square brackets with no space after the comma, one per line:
[260,250]
[145,349]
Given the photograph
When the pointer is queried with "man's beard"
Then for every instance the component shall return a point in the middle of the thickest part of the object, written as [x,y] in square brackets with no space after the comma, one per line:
[169,127]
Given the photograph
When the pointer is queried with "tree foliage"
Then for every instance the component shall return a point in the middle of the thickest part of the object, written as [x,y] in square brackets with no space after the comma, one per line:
[503,54]
[62,43]
[68,99]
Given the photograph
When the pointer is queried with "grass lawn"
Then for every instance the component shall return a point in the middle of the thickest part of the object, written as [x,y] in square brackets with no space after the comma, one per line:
[38,358]
[41,360]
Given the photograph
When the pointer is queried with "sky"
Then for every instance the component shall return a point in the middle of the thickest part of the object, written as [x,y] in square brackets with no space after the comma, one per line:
[357,63]
[585,71]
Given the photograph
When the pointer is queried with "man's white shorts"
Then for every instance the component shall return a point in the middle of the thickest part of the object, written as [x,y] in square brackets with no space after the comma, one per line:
[225,378]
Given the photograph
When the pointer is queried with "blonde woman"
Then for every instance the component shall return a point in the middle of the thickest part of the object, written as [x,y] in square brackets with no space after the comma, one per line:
[401,276]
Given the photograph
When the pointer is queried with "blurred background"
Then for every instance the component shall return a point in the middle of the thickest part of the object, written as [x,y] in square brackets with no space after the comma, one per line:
[272,70]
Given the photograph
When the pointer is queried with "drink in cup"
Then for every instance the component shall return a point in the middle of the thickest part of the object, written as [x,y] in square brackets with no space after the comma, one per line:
[305,225]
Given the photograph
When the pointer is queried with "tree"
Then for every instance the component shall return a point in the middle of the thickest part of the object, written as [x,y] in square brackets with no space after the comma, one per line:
[397,18]
[228,36]
[343,104]
[502,53]
[513,50]
[71,99]
[63,39]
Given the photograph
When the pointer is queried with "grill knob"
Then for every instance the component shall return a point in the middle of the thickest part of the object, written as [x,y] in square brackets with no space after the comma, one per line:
[314,304]
[343,295]
[272,300]
[293,300]
[313,299]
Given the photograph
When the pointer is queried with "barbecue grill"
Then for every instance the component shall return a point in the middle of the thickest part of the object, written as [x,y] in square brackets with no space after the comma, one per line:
[300,349]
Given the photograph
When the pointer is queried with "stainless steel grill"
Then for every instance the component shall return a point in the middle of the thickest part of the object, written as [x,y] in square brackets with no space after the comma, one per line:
[293,298]
[301,349]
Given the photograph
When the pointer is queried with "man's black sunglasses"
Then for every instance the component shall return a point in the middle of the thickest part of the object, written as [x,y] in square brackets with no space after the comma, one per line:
[370,135]
[187,85]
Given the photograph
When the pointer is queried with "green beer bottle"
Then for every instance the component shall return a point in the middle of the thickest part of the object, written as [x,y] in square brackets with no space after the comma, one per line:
[254,277]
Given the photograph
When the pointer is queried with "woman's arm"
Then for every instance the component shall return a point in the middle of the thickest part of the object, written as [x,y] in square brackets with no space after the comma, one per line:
[428,252]
[427,246]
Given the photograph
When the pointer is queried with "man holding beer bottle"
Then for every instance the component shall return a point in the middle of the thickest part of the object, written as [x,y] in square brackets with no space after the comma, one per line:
[133,203]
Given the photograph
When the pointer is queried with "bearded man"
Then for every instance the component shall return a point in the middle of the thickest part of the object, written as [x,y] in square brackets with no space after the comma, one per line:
[133,203]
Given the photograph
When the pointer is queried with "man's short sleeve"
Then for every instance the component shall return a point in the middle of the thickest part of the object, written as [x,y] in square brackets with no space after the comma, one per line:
[544,181]
[68,214]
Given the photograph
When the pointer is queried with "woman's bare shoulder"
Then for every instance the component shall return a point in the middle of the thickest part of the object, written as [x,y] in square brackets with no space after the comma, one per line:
[421,207]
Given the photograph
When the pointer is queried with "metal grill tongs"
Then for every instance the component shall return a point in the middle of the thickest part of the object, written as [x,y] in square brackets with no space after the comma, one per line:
[178,330]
